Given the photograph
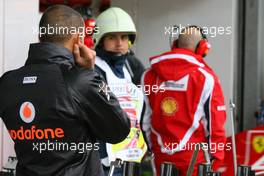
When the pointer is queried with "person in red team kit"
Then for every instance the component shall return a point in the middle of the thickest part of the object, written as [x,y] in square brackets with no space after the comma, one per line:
[191,110]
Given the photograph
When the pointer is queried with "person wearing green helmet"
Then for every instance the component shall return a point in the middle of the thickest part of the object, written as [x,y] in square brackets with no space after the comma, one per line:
[116,34]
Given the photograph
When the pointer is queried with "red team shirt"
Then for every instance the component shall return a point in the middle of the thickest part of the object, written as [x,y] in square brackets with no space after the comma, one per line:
[189,108]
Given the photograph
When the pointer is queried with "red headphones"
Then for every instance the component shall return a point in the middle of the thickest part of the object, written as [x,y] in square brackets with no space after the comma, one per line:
[90,26]
[202,47]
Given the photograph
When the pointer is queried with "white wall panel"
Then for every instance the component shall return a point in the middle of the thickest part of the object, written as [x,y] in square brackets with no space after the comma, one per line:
[1,71]
[18,21]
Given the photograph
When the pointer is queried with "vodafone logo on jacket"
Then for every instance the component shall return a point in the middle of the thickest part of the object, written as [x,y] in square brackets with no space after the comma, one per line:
[27,112]
[35,131]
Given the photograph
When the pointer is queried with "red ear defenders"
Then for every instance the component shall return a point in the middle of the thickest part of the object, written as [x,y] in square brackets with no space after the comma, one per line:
[202,47]
[89,30]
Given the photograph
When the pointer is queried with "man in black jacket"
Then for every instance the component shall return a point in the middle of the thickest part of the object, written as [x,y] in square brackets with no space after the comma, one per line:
[56,107]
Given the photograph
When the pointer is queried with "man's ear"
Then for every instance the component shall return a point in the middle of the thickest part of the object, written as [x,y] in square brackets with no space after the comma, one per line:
[80,38]
[76,38]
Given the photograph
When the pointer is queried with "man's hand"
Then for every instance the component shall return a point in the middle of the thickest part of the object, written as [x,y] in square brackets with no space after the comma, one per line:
[84,56]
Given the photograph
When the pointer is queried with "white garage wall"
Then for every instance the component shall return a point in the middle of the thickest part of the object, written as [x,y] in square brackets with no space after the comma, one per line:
[1,71]
[18,18]
[151,17]
[261,46]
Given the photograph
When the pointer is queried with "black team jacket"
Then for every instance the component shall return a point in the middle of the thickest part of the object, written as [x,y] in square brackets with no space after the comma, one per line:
[55,112]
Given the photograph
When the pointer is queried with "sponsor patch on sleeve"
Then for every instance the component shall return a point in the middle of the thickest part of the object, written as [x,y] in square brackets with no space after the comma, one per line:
[221,108]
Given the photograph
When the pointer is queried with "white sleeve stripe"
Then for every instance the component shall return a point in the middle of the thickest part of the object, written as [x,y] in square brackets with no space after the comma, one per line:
[210,118]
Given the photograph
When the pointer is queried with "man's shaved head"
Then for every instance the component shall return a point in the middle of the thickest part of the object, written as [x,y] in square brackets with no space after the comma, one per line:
[189,38]
[61,20]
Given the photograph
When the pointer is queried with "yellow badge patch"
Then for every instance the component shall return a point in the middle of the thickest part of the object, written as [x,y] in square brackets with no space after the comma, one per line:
[169,106]
[258,144]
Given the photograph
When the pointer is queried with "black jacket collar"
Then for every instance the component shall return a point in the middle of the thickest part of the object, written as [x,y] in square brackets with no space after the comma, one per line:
[49,53]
